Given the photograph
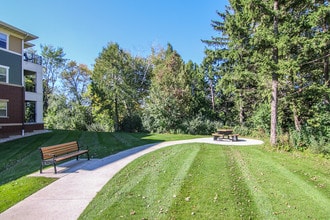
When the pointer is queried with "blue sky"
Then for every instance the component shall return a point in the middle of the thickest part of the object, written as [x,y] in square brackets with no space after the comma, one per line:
[83,27]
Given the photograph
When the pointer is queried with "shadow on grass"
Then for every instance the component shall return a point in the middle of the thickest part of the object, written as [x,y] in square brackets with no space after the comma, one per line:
[21,157]
[73,166]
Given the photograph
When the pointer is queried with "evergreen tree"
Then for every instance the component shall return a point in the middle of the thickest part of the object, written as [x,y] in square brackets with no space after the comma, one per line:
[266,45]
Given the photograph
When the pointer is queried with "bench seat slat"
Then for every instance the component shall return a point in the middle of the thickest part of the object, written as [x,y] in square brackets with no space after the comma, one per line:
[67,156]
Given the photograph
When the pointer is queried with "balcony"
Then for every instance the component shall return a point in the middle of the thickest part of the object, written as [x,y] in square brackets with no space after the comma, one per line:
[33,58]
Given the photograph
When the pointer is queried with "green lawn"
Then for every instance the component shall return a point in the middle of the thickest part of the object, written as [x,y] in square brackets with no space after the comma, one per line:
[15,191]
[204,181]
[199,181]
[21,157]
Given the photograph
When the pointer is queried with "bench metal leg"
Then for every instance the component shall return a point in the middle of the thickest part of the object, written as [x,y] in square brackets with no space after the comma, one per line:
[55,168]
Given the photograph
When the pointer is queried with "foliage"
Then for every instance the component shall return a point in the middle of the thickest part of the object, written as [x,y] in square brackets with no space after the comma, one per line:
[65,114]
[276,53]
[53,62]
[119,84]
[168,99]
[177,94]
[132,123]
[309,138]
[200,125]
[266,70]
[260,120]
[76,79]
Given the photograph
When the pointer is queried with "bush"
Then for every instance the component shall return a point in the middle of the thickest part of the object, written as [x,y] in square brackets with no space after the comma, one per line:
[199,125]
[98,127]
[131,124]
[320,146]
[260,120]
[309,138]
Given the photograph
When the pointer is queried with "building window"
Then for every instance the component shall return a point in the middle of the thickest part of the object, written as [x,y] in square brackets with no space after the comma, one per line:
[30,111]
[30,81]
[4,70]
[3,108]
[3,40]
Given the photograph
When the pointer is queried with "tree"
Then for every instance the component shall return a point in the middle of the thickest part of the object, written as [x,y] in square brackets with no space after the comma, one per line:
[200,104]
[233,65]
[65,114]
[274,99]
[269,41]
[53,62]
[119,83]
[169,102]
[75,79]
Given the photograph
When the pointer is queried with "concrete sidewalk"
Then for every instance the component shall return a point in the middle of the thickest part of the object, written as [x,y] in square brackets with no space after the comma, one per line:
[80,181]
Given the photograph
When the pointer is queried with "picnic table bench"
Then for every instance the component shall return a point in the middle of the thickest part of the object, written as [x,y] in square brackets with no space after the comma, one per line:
[222,133]
[60,152]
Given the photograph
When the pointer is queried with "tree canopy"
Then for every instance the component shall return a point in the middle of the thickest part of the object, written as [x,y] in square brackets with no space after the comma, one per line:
[266,72]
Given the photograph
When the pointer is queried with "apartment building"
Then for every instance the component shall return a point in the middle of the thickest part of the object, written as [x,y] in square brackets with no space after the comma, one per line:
[21,91]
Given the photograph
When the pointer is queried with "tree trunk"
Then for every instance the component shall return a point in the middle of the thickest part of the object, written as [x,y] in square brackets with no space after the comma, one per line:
[241,109]
[297,122]
[116,114]
[212,94]
[326,61]
[274,101]
[326,77]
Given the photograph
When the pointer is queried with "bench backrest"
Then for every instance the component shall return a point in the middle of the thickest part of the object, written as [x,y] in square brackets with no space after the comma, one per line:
[60,149]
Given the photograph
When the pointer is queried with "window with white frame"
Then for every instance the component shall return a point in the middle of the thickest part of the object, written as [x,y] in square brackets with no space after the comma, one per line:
[3,108]
[4,70]
[3,40]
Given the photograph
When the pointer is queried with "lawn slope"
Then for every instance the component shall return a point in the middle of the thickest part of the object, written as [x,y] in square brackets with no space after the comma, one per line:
[205,181]
[21,157]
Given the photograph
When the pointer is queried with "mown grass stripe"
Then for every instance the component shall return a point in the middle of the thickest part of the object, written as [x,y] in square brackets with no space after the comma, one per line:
[147,184]
[290,194]
[260,198]
[166,193]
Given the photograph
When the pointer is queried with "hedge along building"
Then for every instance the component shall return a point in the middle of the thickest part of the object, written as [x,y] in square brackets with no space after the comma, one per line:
[21,91]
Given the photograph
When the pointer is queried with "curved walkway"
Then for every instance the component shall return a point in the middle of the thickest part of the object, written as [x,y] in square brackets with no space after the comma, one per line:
[79,182]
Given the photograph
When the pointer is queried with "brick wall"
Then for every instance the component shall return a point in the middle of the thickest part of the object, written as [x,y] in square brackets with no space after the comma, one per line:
[15,108]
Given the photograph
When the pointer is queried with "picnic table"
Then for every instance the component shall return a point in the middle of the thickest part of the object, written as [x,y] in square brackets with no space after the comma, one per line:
[225,133]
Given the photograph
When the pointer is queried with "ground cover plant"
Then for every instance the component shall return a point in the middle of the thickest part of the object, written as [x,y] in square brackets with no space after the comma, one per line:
[21,157]
[205,181]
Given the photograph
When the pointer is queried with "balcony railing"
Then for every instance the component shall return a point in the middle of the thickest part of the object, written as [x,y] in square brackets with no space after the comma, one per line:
[33,58]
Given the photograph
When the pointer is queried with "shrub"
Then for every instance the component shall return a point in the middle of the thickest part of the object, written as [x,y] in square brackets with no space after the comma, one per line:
[320,146]
[200,125]
[98,127]
[131,123]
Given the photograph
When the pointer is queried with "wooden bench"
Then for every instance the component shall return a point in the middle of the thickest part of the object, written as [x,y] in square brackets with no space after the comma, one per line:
[60,152]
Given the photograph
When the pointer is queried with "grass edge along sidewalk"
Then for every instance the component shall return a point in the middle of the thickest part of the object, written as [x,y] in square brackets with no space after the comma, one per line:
[216,182]
[21,157]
